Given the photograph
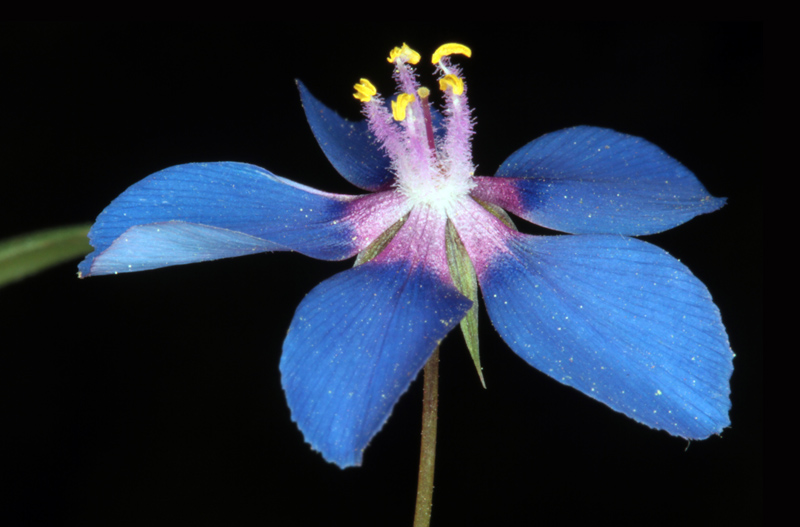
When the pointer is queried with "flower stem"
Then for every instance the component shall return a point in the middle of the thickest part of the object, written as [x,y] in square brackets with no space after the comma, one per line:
[427,456]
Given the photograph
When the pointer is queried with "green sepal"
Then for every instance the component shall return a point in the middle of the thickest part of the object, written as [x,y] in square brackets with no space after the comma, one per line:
[498,213]
[28,254]
[380,243]
[466,281]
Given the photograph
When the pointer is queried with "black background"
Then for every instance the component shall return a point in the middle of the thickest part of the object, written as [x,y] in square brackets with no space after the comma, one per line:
[155,398]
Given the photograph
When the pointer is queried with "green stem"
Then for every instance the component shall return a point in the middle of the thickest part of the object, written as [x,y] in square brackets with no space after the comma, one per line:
[427,456]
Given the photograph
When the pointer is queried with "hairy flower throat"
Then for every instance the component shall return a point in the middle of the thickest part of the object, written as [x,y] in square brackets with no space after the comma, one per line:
[430,151]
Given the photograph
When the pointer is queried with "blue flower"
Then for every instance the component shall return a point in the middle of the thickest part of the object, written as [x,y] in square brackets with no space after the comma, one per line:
[617,318]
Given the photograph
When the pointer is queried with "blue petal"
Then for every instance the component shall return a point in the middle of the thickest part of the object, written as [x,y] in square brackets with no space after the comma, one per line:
[203,211]
[588,180]
[620,320]
[348,145]
[355,344]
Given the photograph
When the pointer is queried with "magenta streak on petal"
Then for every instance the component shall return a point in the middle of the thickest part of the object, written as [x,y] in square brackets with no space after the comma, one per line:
[500,191]
[370,215]
[421,242]
[482,233]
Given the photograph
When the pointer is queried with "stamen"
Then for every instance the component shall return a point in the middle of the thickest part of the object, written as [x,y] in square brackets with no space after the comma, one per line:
[453,82]
[364,90]
[450,49]
[399,106]
[405,53]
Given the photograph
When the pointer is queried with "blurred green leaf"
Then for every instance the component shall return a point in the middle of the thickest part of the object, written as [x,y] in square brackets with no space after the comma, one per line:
[28,254]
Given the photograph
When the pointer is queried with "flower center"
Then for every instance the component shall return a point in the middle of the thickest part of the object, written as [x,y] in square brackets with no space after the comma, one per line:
[430,150]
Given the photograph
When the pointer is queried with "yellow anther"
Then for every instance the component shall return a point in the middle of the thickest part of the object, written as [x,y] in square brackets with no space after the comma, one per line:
[399,106]
[450,49]
[405,53]
[455,83]
[364,90]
